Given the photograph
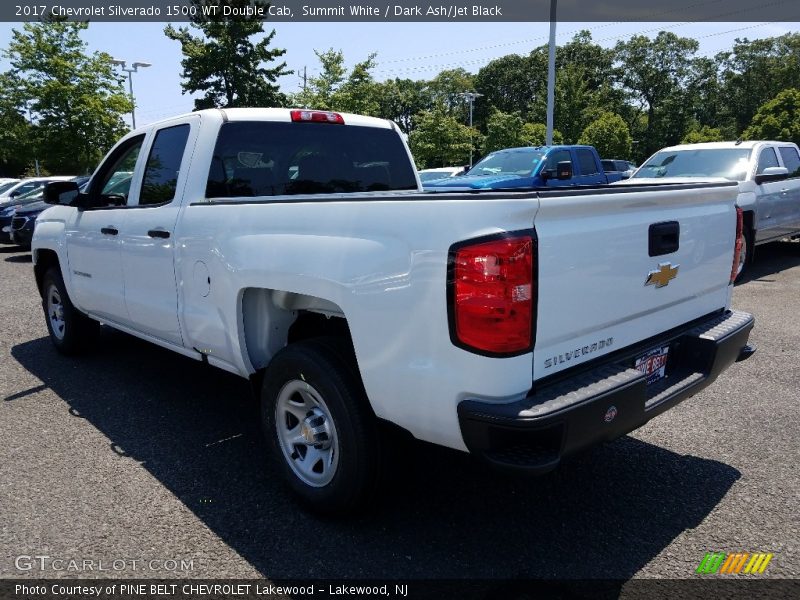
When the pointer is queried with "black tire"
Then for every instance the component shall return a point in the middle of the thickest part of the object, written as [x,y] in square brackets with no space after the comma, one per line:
[78,331]
[326,368]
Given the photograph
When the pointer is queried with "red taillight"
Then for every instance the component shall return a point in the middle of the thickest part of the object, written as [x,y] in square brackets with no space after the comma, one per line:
[737,247]
[317,116]
[492,295]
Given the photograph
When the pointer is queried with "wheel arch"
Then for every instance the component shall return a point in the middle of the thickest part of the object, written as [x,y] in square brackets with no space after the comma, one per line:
[44,259]
[271,319]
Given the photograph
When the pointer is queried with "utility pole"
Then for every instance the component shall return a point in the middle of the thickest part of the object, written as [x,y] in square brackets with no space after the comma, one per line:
[134,68]
[470,96]
[551,74]
[35,159]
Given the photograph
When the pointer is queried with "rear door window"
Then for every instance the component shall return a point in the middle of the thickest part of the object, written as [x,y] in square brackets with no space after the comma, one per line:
[791,160]
[766,159]
[275,159]
[163,166]
[586,161]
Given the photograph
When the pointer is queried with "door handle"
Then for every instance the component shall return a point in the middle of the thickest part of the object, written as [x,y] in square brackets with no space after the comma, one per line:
[109,231]
[158,233]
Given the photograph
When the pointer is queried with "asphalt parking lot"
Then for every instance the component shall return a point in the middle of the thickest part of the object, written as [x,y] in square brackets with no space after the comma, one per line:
[136,453]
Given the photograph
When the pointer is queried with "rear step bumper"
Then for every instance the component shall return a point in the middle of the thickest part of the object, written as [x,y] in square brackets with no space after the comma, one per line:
[602,403]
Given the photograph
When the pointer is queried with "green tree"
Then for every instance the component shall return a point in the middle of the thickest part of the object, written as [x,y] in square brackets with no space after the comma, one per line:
[224,63]
[507,130]
[336,89]
[753,72]
[440,140]
[512,83]
[535,134]
[698,135]
[778,119]
[400,100]
[15,131]
[656,74]
[75,98]
[609,134]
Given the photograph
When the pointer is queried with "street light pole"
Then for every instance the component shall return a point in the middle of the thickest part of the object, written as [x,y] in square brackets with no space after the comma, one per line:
[471,97]
[134,68]
[551,74]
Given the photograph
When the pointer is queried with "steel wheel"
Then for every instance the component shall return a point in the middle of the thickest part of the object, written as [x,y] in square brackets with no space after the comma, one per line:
[306,433]
[55,312]
[742,257]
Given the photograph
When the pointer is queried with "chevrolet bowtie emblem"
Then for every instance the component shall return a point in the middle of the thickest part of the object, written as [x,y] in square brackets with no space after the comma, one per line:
[663,275]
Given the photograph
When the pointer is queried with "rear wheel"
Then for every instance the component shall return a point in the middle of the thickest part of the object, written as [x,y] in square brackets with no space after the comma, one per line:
[70,331]
[746,254]
[319,424]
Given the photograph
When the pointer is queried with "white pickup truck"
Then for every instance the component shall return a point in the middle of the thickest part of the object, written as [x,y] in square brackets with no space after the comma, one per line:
[769,183]
[295,248]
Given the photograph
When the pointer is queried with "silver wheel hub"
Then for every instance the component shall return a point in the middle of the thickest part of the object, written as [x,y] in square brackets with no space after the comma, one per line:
[55,312]
[306,433]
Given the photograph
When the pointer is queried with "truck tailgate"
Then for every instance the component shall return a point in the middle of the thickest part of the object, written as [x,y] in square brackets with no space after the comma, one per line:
[599,288]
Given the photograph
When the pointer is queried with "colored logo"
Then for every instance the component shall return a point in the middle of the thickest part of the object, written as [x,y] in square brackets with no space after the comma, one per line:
[738,563]
[663,275]
[611,414]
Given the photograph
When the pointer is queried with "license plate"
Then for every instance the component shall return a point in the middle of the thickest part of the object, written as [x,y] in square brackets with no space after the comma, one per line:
[653,364]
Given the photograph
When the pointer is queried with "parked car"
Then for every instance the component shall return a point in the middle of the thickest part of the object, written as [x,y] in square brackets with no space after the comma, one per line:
[768,176]
[24,222]
[6,184]
[28,185]
[531,167]
[427,175]
[624,167]
[8,210]
[294,248]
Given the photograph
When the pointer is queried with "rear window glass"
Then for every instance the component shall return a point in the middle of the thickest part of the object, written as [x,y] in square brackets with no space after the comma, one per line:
[273,159]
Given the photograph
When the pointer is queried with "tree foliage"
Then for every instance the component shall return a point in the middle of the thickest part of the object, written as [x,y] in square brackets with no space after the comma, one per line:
[74,98]
[337,89]
[508,130]
[224,63]
[703,134]
[609,134]
[778,119]
[440,140]
[656,73]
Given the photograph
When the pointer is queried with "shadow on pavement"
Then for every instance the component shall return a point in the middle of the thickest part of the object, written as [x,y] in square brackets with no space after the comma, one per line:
[771,259]
[604,514]
[20,258]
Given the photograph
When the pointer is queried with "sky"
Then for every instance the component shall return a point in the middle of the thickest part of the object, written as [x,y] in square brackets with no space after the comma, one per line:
[406,50]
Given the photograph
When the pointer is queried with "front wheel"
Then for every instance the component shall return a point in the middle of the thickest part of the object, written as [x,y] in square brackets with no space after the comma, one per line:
[322,431]
[70,330]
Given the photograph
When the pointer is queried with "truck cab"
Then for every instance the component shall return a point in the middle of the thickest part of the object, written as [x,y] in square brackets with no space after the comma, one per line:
[531,167]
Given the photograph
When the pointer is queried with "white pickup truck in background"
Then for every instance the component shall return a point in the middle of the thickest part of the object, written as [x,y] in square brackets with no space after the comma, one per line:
[295,248]
[769,183]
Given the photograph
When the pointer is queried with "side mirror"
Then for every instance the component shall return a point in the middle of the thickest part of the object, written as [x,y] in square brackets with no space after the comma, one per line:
[61,192]
[771,174]
[564,170]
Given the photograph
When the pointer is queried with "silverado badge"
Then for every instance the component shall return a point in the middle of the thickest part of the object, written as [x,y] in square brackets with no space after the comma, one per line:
[663,275]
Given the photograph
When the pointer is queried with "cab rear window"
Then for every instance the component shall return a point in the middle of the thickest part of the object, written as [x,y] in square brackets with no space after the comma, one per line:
[276,159]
